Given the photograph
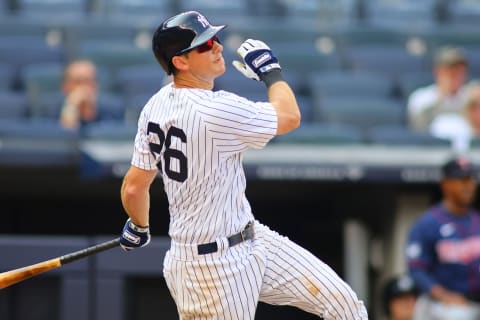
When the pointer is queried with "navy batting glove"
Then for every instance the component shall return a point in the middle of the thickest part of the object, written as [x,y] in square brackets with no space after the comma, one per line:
[258,60]
[134,236]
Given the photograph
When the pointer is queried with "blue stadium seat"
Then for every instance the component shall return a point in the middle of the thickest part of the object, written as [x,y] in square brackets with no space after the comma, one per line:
[322,133]
[217,11]
[6,77]
[362,113]
[411,81]
[79,35]
[21,51]
[13,105]
[361,84]
[110,130]
[39,79]
[142,9]
[37,143]
[134,80]
[305,57]
[114,56]
[390,60]
[52,9]
[134,105]
[401,135]
[405,13]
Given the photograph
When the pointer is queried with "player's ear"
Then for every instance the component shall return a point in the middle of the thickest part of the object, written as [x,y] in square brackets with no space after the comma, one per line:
[180,63]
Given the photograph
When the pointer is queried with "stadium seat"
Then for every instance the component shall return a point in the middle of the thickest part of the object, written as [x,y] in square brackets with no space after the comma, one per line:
[411,81]
[52,9]
[141,79]
[359,84]
[83,34]
[401,135]
[39,79]
[110,130]
[217,11]
[37,143]
[405,13]
[390,60]
[113,56]
[13,105]
[21,51]
[322,133]
[305,57]
[362,113]
[6,77]
[134,105]
[142,9]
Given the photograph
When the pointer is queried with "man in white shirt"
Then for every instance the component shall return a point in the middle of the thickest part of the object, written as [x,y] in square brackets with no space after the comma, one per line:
[446,95]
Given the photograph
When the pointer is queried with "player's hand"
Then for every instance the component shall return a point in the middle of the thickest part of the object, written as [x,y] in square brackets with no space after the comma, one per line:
[134,236]
[257,59]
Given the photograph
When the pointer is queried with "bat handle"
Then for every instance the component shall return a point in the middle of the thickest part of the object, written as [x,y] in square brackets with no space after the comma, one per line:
[88,251]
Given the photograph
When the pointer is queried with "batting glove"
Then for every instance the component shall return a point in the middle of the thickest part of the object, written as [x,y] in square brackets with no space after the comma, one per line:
[258,60]
[134,236]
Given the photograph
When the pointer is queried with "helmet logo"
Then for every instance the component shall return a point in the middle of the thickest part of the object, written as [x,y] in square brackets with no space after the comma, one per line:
[203,20]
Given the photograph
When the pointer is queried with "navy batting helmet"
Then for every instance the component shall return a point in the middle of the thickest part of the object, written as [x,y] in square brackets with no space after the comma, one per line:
[179,34]
[396,287]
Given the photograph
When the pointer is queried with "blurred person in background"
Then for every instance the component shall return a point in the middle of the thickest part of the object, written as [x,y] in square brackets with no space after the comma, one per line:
[472,108]
[81,89]
[445,96]
[443,252]
[461,128]
[399,298]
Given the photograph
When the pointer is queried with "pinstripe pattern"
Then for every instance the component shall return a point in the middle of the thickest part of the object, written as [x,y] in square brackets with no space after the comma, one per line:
[219,126]
[229,283]
[207,203]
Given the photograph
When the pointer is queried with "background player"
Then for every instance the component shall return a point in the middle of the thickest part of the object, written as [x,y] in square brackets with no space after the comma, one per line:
[221,261]
[442,251]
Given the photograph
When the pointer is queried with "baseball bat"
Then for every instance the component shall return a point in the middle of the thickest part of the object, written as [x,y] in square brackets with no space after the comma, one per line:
[11,277]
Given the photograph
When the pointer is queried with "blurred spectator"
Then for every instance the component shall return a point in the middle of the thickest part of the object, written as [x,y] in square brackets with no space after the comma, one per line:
[472,108]
[80,89]
[446,95]
[461,128]
[443,249]
[400,296]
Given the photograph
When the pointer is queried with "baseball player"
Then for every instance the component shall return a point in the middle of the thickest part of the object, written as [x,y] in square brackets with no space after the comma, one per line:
[443,249]
[222,261]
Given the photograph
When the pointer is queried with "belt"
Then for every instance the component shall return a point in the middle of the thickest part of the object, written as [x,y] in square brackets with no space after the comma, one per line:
[246,234]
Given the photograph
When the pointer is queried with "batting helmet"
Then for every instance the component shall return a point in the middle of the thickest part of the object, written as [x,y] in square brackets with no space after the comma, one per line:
[179,34]
[396,287]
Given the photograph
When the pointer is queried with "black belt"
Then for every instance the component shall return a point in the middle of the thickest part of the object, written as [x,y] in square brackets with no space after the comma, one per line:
[246,234]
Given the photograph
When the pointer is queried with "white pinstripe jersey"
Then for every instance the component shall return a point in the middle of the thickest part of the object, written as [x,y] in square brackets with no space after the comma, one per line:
[196,138]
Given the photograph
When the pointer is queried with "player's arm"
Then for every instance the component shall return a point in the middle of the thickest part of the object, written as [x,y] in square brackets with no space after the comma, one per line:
[283,100]
[135,195]
[260,64]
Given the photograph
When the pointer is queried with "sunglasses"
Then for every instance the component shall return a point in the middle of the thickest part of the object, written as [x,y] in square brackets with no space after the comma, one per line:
[204,47]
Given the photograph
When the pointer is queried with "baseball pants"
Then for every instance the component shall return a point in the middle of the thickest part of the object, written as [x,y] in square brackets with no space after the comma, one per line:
[270,268]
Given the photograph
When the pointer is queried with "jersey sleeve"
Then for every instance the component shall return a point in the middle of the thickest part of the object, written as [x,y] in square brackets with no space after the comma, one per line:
[237,124]
[142,157]
[420,254]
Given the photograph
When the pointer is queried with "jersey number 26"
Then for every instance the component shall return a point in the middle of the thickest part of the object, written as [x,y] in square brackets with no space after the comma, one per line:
[169,153]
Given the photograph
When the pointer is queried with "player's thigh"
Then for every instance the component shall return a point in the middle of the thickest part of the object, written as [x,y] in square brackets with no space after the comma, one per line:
[225,288]
[296,277]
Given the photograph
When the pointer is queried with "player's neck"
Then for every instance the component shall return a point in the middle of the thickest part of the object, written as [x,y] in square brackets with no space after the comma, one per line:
[455,208]
[189,81]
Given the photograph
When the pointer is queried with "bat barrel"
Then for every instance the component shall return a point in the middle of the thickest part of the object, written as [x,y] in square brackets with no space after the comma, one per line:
[14,276]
